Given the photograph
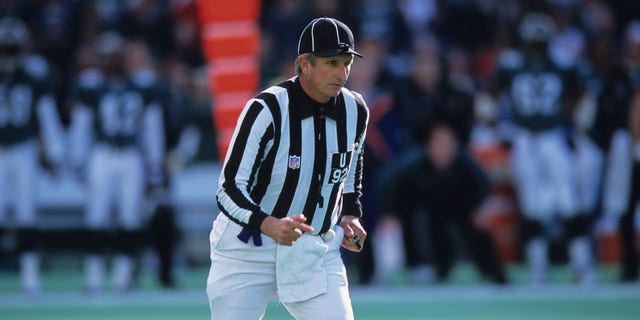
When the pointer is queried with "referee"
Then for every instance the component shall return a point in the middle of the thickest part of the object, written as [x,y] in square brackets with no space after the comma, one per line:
[290,187]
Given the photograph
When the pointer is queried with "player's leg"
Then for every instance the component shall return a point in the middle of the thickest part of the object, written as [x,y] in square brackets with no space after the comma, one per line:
[588,164]
[577,231]
[100,172]
[535,250]
[335,304]
[528,179]
[617,176]
[129,237]
[4,196]
[25,166]
[558,160]
[576,222]
[163,233]
[239,287]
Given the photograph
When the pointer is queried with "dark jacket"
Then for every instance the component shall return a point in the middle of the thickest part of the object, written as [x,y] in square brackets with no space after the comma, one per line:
[414,183]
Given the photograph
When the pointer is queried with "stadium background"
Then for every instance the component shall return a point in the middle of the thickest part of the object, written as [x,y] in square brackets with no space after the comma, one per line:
[231,50]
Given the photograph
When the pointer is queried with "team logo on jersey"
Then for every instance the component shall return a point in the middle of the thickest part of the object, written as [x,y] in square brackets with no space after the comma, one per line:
[294,162]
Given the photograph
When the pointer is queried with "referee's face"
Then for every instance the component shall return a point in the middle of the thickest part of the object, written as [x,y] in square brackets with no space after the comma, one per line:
[324,78]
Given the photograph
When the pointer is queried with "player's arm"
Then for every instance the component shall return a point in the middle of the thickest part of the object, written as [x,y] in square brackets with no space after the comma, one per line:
[80,136]
[154,142]
[187,147]
[509,62]
[52,131]
[86,94]
[254,133]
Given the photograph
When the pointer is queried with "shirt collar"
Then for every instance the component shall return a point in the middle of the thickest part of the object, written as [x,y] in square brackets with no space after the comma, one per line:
[305,106]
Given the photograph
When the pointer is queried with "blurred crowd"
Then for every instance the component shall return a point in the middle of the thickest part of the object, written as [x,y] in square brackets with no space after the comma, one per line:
[553,84]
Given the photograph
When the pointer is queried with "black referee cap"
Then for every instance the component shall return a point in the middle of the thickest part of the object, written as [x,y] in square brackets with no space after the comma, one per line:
[326,37]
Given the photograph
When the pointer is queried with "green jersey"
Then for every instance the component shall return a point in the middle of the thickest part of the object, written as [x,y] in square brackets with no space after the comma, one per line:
[118,106]
[536,93]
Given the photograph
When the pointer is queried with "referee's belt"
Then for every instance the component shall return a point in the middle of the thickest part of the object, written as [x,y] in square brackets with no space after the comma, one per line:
[246,234]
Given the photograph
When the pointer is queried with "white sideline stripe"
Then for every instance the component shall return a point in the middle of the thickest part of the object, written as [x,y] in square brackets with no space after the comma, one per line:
[492,293]
[374,294]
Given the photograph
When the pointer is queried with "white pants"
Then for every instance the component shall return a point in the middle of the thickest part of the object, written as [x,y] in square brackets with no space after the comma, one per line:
[18,168]
[115,176]
[543,174]
[242,279]
[587,164]
[617,175]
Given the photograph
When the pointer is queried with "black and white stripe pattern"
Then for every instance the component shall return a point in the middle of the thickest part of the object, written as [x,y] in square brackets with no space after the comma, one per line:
[291,155]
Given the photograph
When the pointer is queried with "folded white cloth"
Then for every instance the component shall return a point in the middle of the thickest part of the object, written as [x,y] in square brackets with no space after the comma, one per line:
[299,272]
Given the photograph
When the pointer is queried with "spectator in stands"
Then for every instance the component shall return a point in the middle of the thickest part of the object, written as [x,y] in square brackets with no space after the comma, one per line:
[279,36]
[429,94]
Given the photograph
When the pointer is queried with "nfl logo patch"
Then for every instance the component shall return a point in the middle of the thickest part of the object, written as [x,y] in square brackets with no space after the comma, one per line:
[294,162]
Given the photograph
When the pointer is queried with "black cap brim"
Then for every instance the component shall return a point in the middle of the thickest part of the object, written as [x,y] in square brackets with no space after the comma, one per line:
[336,52]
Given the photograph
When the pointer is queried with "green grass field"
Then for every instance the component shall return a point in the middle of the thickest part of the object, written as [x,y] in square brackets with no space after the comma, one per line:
[463,298]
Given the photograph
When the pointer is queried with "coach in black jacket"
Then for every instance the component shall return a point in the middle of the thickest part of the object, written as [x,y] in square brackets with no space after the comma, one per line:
[444,182]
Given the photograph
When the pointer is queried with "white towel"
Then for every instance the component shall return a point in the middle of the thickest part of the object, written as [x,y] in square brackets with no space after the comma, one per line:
[299,271]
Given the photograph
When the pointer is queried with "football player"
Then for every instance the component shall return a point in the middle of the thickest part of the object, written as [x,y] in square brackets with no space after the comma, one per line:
[544,174]
[118,145]
[27,112]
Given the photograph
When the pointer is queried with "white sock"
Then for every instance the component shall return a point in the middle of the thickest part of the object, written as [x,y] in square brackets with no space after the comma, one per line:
[581,259]
[94,272]
[122,272]
[537,258]
[30,271]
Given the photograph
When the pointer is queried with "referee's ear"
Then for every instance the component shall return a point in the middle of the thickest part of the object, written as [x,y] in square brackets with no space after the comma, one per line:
[303,63]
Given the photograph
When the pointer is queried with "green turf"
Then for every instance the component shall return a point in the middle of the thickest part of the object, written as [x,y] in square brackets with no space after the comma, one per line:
[478,310]
[159,312]
[461,298]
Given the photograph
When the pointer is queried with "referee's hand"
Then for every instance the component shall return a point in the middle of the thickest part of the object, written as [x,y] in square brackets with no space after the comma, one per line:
[354,234]
[286,230]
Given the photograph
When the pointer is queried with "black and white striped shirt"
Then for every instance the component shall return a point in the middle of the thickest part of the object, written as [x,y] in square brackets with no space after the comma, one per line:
[290,154]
